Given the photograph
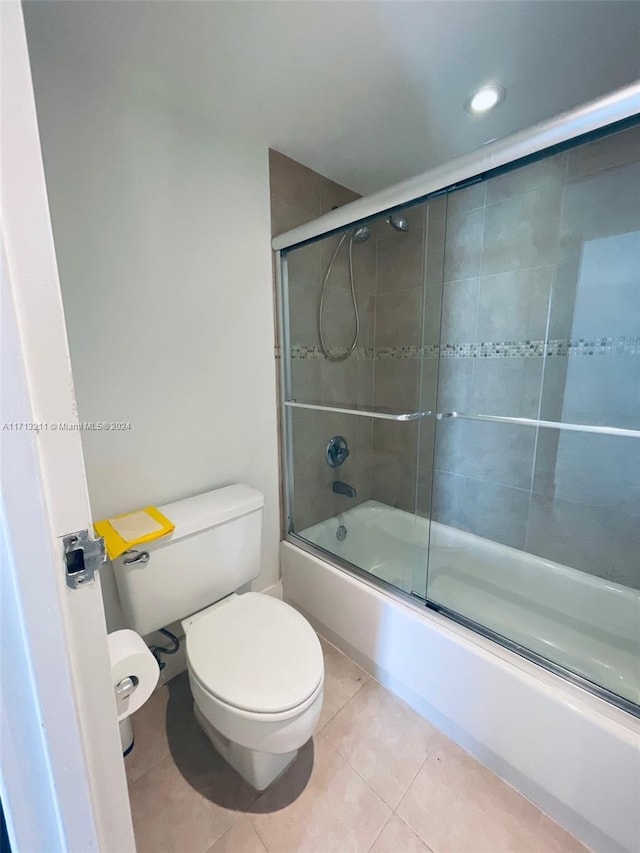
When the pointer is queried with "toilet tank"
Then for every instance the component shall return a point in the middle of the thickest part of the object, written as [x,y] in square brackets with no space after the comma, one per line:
[214,550]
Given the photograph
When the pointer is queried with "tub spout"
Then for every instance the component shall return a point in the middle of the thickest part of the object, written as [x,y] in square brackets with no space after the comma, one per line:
[345,489]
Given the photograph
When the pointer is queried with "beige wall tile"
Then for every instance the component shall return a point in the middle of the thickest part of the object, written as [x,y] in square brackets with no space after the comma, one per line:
[364,267]
[463,245]
[339,322]
[599,205]
[393,482]
[366,373]
[416,215]
[521,231]
[548,173]
[295,184]
[286,216]
[308,263]
[396,383]
[367,309]
[395,435]
[304,301]
[339,379]
[305,379]
[400,261]
[459,311]
[435,250]
[464,200]
[437,207]
[334,195]
[604,153]
[311,263]
[399,318]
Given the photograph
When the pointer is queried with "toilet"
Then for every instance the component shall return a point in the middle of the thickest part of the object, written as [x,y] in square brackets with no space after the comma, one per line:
[255,664]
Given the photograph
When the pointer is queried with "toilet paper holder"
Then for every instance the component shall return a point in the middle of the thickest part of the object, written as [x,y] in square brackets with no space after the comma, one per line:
[126,686]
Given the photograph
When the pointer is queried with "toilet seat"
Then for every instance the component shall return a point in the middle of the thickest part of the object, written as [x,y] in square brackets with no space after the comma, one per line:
[257,656]
[226,710]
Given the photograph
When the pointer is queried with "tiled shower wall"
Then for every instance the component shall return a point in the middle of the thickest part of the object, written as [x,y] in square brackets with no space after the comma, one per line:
[402,451]
[541,319]
[298,195]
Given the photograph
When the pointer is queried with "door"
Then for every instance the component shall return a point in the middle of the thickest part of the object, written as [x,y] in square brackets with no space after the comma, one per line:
[63,784]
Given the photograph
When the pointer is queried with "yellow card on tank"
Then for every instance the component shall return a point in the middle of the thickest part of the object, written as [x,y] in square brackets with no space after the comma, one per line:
[123,532]
[135,524]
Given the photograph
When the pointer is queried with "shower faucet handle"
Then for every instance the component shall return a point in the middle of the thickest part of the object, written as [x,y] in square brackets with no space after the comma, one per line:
[337,451]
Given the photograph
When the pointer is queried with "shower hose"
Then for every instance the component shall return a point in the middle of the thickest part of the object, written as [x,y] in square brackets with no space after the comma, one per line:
[323,345]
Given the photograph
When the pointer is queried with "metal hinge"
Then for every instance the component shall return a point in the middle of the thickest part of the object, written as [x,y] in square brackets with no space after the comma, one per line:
[83,557]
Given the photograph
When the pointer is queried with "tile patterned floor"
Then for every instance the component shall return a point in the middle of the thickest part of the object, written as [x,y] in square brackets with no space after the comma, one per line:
[375,777]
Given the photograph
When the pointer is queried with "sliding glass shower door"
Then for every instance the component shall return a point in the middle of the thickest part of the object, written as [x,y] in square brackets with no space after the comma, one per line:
[360,393]
[536,486]
[462,406]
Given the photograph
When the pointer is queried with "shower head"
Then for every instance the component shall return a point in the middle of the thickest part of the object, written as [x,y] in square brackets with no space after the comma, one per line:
[361,234]
[398,222]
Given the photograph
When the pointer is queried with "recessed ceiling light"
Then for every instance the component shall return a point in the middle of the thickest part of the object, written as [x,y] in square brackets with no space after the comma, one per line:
[484,99]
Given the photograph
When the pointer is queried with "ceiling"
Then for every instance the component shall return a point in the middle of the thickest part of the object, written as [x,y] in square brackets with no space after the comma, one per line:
[367,93]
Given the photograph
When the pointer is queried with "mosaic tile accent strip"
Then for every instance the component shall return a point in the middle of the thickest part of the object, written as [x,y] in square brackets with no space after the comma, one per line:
[388,353]
[493,349]
[313,353]
[564,347]
[595,346]
[530,349]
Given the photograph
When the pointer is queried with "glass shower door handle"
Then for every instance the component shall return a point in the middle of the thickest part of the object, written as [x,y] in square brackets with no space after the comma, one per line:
[362,411]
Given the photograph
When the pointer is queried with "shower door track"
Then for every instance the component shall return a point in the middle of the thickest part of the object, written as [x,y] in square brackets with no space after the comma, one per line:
[417,601]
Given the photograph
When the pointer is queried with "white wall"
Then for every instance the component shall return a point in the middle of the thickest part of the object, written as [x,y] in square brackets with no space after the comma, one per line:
[162,235]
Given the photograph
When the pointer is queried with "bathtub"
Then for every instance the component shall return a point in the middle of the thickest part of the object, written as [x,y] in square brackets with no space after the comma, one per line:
[585,623]
[573,754]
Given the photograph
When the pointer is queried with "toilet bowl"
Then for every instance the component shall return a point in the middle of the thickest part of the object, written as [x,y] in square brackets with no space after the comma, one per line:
[256,672]
[255,664]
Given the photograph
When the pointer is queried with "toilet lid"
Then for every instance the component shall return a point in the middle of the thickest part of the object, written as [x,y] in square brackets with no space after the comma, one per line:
[256,653]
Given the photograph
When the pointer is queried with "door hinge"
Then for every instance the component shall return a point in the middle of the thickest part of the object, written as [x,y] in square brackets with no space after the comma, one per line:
[83,556]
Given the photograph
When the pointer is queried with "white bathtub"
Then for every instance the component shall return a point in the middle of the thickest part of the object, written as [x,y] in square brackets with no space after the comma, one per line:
[587,624]
[575,755]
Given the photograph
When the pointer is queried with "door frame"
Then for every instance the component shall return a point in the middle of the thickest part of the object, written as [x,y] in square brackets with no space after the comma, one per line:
[62,779]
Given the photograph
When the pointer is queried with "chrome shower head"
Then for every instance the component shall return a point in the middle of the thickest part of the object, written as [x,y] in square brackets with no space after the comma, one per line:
[361,234]
[398,222]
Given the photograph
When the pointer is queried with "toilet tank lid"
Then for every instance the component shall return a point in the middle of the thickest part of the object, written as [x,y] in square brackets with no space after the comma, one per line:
[193,515]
